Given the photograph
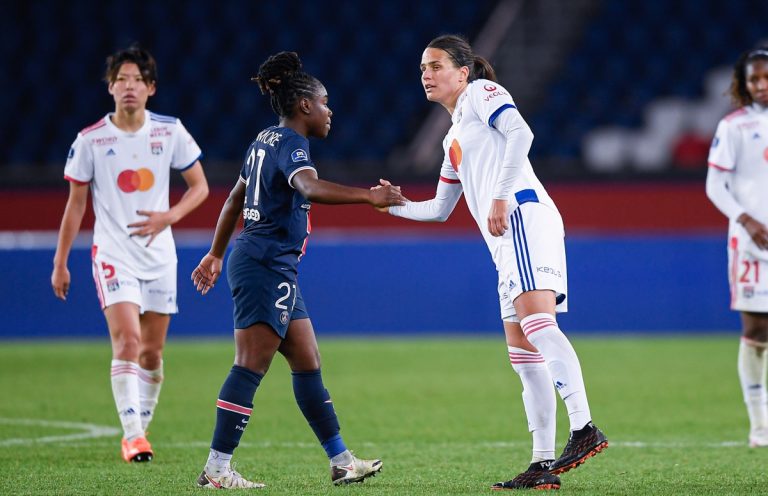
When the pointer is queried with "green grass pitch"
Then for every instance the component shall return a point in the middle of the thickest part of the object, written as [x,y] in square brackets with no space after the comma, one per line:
[445,416]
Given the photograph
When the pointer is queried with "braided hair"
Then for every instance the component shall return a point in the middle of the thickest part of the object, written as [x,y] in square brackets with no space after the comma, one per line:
[738,90]
[460,52]
[281,77]
[134,54]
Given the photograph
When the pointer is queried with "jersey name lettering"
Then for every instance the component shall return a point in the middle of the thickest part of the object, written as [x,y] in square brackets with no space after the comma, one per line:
[270,138]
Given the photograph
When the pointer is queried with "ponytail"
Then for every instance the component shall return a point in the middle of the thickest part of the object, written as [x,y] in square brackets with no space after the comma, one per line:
[482,69]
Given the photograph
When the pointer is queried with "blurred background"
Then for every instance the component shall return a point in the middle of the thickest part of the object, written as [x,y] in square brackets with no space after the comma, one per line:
[623,98]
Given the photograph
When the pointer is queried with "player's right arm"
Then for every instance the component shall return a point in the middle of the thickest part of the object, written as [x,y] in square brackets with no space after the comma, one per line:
[70,226]
[439,208]
[209,269]
[318,190]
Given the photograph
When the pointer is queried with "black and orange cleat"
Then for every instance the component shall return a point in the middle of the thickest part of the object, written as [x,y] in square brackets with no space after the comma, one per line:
[536,477]
[582,444]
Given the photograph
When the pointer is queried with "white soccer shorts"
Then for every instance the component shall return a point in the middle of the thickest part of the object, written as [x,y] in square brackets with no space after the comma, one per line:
[532,257]
[748,277]
[115,284]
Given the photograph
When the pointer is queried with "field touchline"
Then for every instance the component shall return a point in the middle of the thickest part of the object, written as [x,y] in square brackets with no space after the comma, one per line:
[86,431]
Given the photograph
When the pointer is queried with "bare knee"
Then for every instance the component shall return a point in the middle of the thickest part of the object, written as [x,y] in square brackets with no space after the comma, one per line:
[755,326]
[125,345]
[255,347]
[303,360]
[150,358]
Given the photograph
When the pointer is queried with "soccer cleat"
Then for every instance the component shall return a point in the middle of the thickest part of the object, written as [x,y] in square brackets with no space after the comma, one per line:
[357,471]
[536,477]
[758,438]
[229,480]
[582,444]
[137,450]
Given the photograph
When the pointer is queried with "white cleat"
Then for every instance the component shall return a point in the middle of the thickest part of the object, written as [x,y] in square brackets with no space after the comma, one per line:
[758,438]
[357,471]
[229,480]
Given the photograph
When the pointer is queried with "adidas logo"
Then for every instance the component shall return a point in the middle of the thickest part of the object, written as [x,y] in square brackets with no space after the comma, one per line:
[111,152]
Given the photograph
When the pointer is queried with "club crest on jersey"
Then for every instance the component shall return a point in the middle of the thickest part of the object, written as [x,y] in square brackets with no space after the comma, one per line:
[284,317]
[113,285]
[299,155]
[157,147]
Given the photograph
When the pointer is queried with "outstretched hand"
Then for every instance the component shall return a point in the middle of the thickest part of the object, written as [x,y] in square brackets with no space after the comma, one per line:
[207,273]
[386,195]
[152,226]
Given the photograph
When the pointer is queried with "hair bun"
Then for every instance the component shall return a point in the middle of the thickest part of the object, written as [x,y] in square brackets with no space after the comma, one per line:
[276,69]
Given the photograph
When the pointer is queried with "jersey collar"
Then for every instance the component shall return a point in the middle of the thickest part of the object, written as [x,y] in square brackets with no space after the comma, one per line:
[143,130]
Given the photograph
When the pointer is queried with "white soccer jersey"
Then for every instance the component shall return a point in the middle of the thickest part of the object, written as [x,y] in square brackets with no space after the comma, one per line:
[740,147]
[473,156]
[130,171]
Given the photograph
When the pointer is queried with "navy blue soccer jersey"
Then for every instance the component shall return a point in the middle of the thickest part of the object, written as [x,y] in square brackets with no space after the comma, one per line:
[276,216]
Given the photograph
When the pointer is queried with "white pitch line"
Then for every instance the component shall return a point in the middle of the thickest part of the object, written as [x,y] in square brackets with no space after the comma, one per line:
[93,431]
[89,431]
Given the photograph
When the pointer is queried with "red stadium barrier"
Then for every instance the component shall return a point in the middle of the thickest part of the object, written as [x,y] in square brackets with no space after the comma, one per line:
[619,207]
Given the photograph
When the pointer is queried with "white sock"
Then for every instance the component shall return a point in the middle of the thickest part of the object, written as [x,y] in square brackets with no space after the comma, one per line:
[150,382]
[125,389]
[218,463]
[752,368]
[538,400]
[542,331]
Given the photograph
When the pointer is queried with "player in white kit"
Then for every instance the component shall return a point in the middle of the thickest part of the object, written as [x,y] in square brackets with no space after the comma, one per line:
[486,158]
[737,183]
[125,159]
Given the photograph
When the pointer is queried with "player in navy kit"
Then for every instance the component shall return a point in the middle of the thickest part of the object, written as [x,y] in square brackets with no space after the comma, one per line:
[273,194]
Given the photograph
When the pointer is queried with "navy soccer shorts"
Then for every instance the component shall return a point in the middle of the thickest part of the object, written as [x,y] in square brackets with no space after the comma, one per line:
[263,294]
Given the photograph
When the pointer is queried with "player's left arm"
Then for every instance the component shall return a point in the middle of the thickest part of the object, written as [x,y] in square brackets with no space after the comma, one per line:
[196,193]
[518,138]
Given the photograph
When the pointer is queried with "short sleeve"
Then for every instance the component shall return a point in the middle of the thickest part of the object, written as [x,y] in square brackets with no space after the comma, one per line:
[185,150]
[489,100]
[293,157]
[722,152]
[79,166]
[246,168]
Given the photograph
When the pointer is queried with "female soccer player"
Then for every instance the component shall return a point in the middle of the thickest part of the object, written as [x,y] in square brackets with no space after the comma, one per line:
[273,194]
[486,157]
[737,183]
[126,159]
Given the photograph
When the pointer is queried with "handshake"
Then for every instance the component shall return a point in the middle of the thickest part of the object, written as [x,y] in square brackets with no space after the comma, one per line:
[385,195]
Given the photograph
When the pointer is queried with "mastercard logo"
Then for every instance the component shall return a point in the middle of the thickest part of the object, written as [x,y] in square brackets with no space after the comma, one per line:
[132,180]
[454,154]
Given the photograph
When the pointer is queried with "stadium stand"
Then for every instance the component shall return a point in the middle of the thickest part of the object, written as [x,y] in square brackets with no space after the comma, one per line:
[367,56]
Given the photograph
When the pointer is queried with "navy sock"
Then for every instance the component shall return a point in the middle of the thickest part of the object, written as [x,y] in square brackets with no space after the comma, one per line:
[315,403]
[233,408]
